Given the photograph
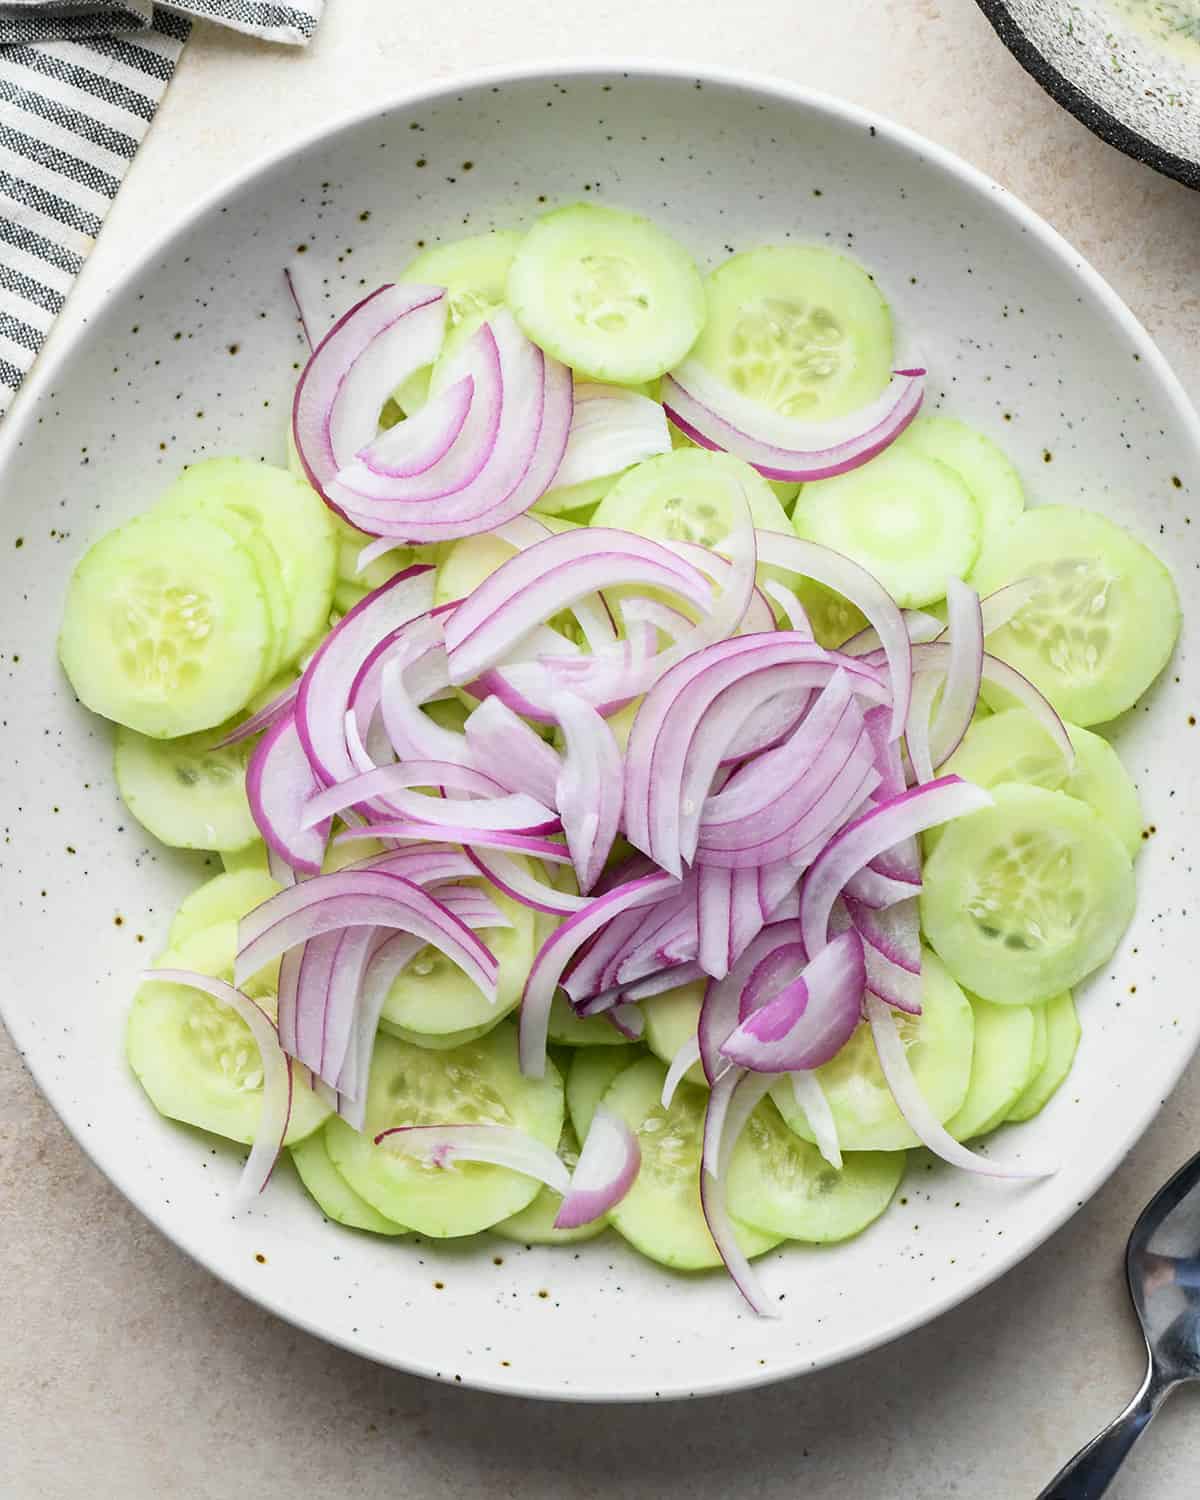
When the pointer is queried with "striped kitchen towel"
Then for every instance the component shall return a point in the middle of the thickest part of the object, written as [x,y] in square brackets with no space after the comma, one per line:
[80,81]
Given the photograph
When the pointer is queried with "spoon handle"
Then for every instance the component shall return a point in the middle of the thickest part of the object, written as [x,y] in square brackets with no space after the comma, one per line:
[1089,1474]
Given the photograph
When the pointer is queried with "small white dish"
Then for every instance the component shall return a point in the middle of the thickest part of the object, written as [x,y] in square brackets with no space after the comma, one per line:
[195,351]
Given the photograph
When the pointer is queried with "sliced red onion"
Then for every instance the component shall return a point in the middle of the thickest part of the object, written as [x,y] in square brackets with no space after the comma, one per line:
[560,947]
[714,415]
[378,344]
[686,1056]
[770,977]
[811,1019]
[373,551]
[891,948]
[387,961]
[513,878]
[715,564]
[810,1097]
[498,1145]
[412,447]
[720,1011]
[551,576]
[919,625]
[671,937]
[722,1128]
[864,591]
[778,896]
[875,888]
[728,916]
[517,755]
[495,469]
[917,733]
[390,786]
[628,1020]
[412,830]
[606,1170]
[666,979]
[269,714]
[590,787]
[279,786]
[424,864]
[276,1111]
[883,826]
[612,428]
[326,686]
[964,673]
[893,1060]
[672,622]
[360,756]
[356,898]
[414,735]
[793,611]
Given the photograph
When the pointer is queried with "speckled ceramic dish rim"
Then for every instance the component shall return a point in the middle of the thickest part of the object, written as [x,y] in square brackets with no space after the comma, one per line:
[19,427]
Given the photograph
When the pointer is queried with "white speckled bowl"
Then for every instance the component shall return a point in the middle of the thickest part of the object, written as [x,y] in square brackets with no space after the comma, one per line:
[1112,73]
[1021,337]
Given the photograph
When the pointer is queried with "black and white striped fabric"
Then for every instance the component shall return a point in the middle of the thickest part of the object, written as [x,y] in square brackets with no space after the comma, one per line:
[80,81]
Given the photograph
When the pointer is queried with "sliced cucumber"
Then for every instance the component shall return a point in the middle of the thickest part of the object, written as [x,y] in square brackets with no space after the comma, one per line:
[591,1073]
[252,857]
[784,490]
[939,1043]
[671,1020]
[480,1083]
[1013,746]
[332,1194]
[1062,1039]
[782,1185]
[535,1225]
[224,898]
[907,519]
[573,499]
[1000,1063]
[802,329]
[196,1058]
[445,1041]
[690,495]
[166,628]
[833,618]
[294,521]
[1041,1043]
[569,1030]
[1024,898]
[187,792]
[606,292]
[432,996]
[1103,623]
[474,271]
[661,1214]
[993,482]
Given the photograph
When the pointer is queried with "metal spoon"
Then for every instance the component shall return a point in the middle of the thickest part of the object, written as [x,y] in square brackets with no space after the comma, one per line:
[1162,1263]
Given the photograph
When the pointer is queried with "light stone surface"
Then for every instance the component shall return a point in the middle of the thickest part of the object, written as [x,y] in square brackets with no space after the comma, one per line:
[127,1370]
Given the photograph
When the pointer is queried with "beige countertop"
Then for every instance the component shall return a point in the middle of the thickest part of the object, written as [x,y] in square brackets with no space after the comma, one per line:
[126,1370]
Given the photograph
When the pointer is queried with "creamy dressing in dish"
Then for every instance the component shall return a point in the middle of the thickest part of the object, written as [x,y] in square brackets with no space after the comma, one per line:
[1174,24]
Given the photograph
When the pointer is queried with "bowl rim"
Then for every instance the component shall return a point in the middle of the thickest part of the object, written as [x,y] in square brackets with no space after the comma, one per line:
[1086,110]
[20,425]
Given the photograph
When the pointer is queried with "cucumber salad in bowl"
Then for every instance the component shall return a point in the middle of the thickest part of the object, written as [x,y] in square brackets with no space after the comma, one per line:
[652,754]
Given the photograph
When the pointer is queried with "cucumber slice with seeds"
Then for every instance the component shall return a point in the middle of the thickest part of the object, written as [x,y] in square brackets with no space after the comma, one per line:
[1024,898]
[291,517]
[908,520]
[1104,621]
[196,1058]
[939,1042]
[444,1041]
[1062,1039]
[480,1083]
[802,329]
[1000,1063]
[606,292]
[332,1194]
[782,1185]
[993,482]
[187,792]
[661,1214]
[166,628]
[1013,746]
